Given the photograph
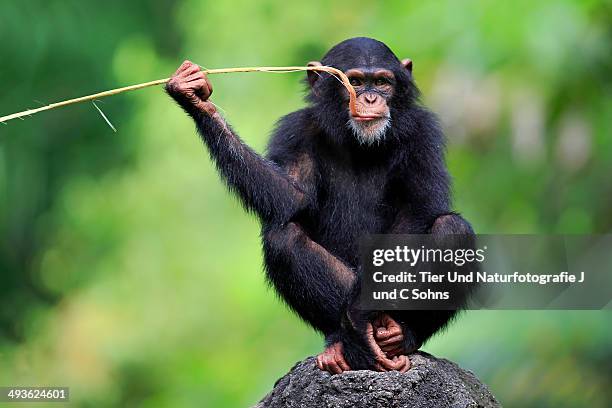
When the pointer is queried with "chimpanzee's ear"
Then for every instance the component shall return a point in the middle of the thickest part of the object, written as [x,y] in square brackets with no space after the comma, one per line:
[407,63]
[313,75]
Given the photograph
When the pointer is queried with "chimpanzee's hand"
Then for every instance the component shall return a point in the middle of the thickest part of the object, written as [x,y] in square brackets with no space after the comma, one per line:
[384,361]
[388,335]
[332,359]
[190,87]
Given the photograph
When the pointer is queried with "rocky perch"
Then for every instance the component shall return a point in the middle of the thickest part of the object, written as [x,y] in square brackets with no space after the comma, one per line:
[430,382]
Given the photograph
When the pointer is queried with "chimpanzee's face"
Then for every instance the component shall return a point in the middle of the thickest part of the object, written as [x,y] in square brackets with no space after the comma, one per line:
[374,88]
[381,81]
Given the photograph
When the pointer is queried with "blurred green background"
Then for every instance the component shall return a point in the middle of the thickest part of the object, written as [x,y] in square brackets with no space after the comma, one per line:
[130,274]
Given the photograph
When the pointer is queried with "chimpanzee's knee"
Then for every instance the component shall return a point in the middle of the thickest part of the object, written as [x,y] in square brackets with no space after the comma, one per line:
[451,224]
[280,240]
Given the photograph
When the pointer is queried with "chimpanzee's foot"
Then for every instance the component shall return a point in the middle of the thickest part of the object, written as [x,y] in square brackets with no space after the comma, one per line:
[388,335]
[401,363]
[395,360]
[332,359]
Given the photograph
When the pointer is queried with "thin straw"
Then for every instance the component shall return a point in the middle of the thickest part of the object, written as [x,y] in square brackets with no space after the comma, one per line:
[333,71]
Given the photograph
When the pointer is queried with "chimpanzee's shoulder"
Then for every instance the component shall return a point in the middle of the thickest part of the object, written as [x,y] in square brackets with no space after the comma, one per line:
[291,135]
[417,126]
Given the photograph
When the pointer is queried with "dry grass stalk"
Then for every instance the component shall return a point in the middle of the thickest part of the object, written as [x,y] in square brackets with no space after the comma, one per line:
[333,71]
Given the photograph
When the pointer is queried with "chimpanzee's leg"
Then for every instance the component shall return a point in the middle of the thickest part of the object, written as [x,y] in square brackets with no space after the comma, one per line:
[402,332]
[312,281]
[317,285]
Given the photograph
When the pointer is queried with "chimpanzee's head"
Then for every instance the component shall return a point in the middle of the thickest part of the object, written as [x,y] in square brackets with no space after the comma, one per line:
[382,82]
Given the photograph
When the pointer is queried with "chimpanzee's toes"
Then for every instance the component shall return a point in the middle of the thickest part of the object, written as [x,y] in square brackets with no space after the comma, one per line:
[332,360]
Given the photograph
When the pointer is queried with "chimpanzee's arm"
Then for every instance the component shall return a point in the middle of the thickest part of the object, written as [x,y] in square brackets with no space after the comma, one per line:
[312,281]
[261,184]
[317,285]
[421,178]
[419,325]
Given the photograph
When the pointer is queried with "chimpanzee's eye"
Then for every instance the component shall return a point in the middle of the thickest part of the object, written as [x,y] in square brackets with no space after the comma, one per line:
[380,82]
[355,81]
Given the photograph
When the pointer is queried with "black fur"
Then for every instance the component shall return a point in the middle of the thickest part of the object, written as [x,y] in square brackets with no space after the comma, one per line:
[318,191]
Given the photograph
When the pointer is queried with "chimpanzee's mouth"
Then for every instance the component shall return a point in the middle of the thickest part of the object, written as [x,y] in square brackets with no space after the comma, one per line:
[366,118]
[369,129]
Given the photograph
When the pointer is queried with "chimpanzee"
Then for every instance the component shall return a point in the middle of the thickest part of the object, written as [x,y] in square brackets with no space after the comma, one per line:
[328,179]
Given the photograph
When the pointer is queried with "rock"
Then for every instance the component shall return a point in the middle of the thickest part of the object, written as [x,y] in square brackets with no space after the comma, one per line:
[430,382]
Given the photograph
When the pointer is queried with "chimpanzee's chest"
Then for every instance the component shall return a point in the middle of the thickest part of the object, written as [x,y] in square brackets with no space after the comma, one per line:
[353,199]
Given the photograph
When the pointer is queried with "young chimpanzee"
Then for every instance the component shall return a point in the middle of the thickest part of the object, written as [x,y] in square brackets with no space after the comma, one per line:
[330,178]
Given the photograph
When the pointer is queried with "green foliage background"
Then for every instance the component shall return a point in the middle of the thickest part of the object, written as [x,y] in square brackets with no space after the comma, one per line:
[130,274]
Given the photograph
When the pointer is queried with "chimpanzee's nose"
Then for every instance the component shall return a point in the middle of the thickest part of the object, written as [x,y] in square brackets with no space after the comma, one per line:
[370,98]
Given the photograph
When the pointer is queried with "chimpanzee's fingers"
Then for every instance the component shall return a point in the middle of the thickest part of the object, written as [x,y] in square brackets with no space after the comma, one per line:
[320,362]
[390,364]
[205,87]
[323,362]
[405,363]
[393,350]
[394,353]
[342,363]
[186,68]
[190,69]
[199,87]
[180,69]
[209,84]
[371,340]
[369,330]
[393,340]
[323,359]
[382,335]
[391,347]
[333,366]
[398,362]
[194,77]
[206,90]
[376,350]
[382,360]
[387,321]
